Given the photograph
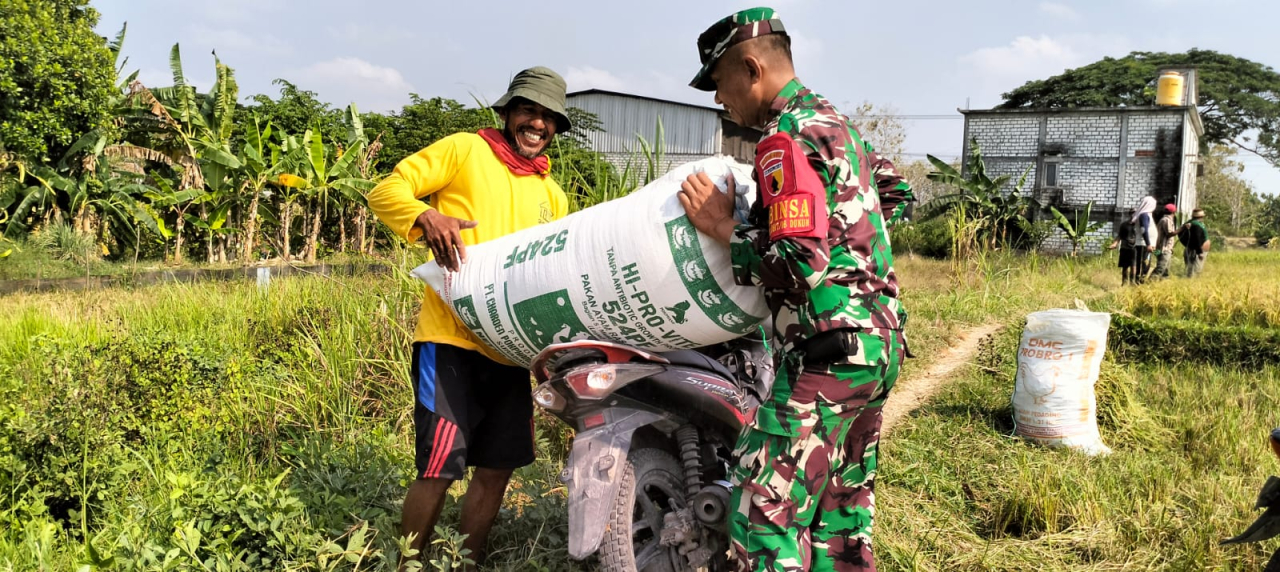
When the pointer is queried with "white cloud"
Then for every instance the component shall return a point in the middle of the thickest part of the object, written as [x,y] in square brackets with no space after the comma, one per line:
[805,50]
[587,77]
[1061,11]
[238,10]
[1027,58]
[231,40]
[343,80]
[356,33]
[648,83]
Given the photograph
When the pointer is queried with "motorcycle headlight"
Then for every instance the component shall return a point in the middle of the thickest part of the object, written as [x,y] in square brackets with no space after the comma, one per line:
[547,398]
[597,381]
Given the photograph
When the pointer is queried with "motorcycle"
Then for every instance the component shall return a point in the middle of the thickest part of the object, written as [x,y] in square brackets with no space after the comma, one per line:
[1267,525]
[647,473]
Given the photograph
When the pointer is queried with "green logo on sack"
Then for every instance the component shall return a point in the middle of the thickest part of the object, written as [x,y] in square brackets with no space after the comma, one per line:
[549,319]
[466,311]
[676,314]
[698,281]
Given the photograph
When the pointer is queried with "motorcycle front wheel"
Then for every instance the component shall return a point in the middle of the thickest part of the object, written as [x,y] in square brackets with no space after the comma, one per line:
[651,487]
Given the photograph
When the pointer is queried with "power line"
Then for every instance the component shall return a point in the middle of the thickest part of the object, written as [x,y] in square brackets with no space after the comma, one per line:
[923,153]
[911,117]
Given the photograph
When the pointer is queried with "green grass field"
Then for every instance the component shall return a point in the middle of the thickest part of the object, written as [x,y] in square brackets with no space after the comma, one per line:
[216,427]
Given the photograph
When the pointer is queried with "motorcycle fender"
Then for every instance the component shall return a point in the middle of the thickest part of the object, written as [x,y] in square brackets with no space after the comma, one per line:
[593,473]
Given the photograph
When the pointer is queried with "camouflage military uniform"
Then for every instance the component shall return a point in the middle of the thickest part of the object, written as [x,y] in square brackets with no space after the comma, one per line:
[818,245]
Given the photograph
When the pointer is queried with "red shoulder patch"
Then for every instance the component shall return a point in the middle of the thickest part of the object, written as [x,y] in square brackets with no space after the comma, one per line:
[790,189]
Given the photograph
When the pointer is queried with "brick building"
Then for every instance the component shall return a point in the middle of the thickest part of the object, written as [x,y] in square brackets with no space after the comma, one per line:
[1111,156]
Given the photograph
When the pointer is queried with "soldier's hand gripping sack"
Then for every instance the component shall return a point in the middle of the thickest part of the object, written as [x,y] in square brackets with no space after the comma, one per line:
[632,270]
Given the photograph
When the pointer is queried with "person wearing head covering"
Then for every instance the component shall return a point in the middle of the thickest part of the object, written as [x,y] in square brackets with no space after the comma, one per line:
[471,406]
[1166,235]
[1145,226]
[817,244]
[1194,237]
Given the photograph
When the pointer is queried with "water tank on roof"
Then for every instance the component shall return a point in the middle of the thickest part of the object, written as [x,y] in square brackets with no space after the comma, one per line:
[1169,89]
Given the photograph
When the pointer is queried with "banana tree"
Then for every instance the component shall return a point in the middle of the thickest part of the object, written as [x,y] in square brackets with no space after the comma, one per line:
[1078,228]
[193,131]
[290,186]
[260,162]
[983,197]
[325,176]
[176,200]
[215,124]
[364,169]
[213,224]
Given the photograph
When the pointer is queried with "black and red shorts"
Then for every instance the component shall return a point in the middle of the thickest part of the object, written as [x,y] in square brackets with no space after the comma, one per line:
[469,411]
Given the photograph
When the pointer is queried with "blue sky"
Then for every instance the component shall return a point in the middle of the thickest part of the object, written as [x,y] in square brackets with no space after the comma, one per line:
[920,58]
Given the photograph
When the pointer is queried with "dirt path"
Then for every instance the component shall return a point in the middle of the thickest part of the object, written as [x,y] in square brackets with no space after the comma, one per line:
[913,391]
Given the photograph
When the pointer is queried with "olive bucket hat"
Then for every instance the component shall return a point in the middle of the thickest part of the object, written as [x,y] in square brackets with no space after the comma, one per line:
[543,87]
[732,30]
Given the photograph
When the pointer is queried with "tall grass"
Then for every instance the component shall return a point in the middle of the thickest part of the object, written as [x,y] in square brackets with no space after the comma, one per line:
[219,408]
[1238,288]
[601,182]
[958,493]
[180,425]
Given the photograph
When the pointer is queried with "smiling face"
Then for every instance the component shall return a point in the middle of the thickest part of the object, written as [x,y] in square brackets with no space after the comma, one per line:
[740,85]
[529,127]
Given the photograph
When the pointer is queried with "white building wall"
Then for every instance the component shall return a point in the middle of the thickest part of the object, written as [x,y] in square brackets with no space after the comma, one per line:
[1014,168]
[1092,136]
[1012,135]
[1140,172]
[1090,164]
[1188,198]
[1084,180]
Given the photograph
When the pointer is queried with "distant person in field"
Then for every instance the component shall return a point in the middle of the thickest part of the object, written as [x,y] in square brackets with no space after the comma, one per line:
[1146,226]
[1194,237]
[1166,235]
[472,408]
[1128,237]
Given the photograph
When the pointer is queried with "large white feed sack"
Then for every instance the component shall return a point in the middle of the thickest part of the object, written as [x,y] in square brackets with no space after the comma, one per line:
[632,270]
[1059,360]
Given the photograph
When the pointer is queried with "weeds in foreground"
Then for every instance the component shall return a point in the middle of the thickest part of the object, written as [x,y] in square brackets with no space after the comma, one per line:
[958,492]
[206,425]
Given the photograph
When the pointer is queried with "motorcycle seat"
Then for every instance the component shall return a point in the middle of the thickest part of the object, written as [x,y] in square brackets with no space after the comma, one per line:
[696,360]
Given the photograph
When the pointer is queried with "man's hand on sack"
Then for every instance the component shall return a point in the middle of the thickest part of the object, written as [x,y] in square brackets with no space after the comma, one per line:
[441,232]
[710,210]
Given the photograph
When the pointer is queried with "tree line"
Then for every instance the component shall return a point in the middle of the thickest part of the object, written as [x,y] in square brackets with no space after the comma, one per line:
[172,172]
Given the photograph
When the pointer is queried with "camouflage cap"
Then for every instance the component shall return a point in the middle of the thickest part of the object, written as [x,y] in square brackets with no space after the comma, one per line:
[543,87]
[735,29]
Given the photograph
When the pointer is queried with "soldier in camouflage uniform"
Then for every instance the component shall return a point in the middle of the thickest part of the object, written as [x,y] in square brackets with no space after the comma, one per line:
[817,243]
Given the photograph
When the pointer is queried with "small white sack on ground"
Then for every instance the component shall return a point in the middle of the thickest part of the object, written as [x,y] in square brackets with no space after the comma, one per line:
[632,270]
[1059,360]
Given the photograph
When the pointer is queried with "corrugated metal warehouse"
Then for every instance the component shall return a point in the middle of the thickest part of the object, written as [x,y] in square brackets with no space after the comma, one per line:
[690,132]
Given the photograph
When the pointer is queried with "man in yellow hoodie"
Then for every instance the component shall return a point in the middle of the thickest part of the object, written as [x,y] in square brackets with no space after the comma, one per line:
[471,406]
